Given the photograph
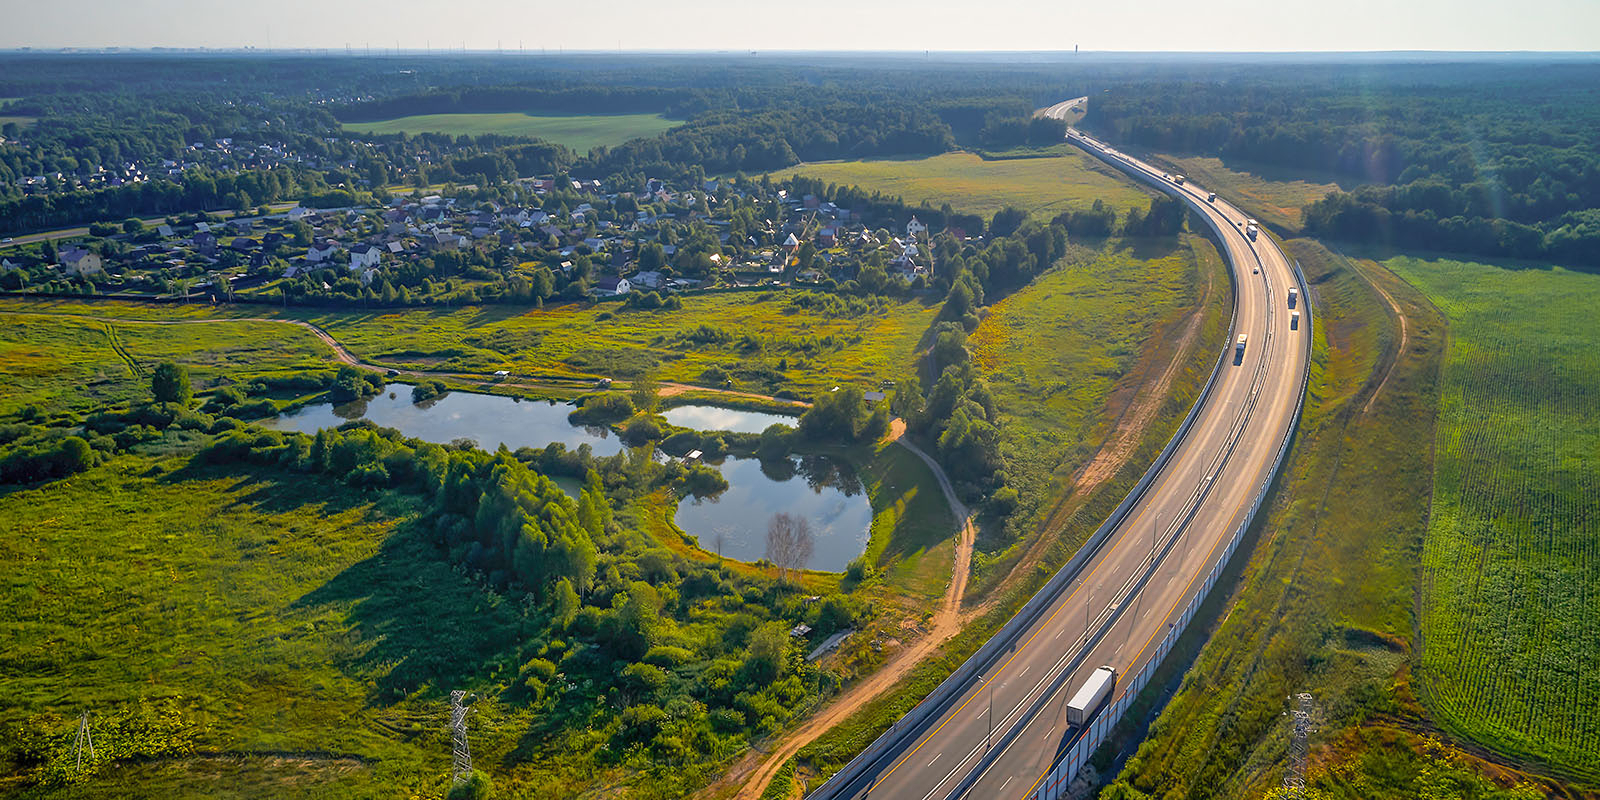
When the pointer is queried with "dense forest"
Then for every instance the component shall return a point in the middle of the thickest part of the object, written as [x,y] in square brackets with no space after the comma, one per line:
[1509,166]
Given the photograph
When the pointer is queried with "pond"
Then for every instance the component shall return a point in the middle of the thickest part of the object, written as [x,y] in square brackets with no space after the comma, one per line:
[715,418]
[822,490]
[490,420]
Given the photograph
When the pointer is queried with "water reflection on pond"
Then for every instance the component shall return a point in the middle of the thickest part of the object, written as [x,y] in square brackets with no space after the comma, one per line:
[824,491]
[714,418]
[489,420]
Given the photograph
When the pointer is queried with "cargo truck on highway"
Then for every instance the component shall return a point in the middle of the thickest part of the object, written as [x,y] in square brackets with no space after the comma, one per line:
[1250,231]
[1211,198]
[1091,694]
[1238,350]
[1294,320]
[1178,179]
[1294,295]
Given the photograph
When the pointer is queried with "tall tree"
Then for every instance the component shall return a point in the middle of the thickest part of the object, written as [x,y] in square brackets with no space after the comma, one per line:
[170,384]
[790,542]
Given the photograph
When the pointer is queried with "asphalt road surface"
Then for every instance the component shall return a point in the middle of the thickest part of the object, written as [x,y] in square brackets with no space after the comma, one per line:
[1008,727]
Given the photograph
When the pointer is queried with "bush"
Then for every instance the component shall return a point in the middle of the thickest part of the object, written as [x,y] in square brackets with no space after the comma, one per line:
[47,460]
[596,409]
[475,787]
[427,390]
[640,430]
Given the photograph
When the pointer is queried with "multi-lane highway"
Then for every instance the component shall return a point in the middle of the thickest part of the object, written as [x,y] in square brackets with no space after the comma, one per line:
[999,728]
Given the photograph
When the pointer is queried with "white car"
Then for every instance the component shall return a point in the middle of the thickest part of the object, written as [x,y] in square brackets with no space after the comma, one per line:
[7,240]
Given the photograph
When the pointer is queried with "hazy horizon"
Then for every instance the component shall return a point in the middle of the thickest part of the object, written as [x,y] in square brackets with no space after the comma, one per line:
[1005,26]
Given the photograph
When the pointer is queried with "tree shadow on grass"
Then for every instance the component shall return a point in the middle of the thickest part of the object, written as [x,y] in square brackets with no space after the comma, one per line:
[419,623]
[423,625]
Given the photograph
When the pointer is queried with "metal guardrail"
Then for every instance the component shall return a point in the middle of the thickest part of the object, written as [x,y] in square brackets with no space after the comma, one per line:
[912,724]
[1052,785]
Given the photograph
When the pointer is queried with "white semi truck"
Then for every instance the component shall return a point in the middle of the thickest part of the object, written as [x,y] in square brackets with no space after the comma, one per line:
[1294,296]
[1238,349]
[1091,694]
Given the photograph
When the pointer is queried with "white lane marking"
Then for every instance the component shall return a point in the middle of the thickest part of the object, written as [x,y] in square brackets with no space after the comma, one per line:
[1025,670]
[1007,783]
[935,758]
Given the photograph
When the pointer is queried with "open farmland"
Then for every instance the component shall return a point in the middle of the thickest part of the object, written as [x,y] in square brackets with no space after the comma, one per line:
[581,132]
[1510,616]
[970,184]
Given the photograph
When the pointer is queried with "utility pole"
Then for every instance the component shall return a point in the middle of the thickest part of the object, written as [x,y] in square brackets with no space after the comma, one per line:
[1294,778]
[461,757]
[85,741]
[990,738]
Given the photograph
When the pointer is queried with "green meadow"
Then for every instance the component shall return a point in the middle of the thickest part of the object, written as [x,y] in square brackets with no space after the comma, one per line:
[581,132]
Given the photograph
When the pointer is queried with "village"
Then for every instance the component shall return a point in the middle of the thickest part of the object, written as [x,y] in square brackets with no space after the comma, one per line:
[553,237]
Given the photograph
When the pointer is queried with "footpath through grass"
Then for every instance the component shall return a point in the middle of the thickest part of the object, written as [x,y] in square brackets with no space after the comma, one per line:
[581,132]
[1510,599]
[68,364]
[970,184]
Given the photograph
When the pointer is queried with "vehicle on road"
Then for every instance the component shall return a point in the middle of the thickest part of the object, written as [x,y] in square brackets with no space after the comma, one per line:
[1238,349]
[1294,320]
[1091,694]
[1211,198]
[1178,179]
[1294,296]
[1251,232]
[7,240]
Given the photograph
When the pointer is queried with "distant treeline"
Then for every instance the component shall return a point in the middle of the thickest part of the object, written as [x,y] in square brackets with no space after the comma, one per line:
[1509,167]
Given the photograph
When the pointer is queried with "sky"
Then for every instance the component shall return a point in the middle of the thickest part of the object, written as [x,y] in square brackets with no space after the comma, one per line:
[909,25]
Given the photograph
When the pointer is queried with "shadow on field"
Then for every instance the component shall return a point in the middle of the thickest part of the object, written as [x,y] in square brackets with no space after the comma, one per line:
[423,625]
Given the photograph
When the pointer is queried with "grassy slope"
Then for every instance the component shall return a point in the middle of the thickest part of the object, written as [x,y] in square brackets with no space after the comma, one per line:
[581,132]
[1510,621]
[71,364]
[1324,600]
[1055,352]
[1043,186]
[273,608]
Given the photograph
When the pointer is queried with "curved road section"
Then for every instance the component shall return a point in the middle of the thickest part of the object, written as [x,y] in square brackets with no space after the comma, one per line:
[999,726]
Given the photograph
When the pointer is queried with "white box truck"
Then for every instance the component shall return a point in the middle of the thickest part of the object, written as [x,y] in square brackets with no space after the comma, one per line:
[1294,296]
[1211,198]
[1294,320]
[1238,349]
[1091,694]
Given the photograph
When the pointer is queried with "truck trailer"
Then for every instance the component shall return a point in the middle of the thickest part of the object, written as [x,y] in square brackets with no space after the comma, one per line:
[1294,296]
[1090,695]
[1238,349]
[1294,320]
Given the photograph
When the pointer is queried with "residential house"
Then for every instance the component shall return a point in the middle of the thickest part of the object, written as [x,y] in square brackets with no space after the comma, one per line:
[828,237]
[914,228]
[205,242]
[165,231]
[80,261]
[365,257]
[648,280]
[397,247]
[445,240]
[321,251]
[612,286]
[298,213]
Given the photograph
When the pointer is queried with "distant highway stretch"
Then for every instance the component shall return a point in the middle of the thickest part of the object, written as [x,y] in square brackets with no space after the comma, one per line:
[998,726]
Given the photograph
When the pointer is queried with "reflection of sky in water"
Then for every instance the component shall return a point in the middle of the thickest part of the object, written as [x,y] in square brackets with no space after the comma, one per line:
[711,418]
[839,512]
[486,419]
[817,488]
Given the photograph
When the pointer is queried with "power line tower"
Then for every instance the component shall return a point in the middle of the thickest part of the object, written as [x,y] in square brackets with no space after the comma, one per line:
[84,742]
[461,762]
[1294,779]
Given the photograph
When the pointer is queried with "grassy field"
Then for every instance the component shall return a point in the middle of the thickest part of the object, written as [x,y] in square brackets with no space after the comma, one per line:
[1056,352]
[260,614]
[1510,621]
[581,132]
[765,342]
[1275,200]
[1043,186]
[60,363]
[22,122]
[1321,601]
